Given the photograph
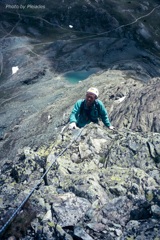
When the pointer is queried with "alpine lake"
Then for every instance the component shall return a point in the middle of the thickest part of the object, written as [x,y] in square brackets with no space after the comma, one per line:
[75,77]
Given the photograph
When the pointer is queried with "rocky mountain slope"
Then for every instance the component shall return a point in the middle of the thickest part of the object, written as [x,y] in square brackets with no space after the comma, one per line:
[106,185]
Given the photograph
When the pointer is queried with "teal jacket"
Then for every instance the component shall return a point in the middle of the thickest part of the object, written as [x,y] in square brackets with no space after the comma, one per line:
[80,117]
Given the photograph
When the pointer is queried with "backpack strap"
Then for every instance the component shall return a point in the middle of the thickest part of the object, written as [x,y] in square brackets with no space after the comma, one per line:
[96,104]
[82,107]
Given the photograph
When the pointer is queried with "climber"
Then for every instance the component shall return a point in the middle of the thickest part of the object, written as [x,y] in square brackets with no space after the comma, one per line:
[89,110]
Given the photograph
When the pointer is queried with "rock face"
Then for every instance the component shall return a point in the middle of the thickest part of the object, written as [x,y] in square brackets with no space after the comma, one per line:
[44,47]
[142,111]
[111,192]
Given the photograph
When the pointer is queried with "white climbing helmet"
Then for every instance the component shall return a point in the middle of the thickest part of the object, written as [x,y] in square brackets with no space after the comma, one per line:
[93,90]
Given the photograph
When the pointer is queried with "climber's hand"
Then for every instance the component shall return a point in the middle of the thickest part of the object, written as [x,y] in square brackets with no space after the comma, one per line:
[72,125]
[111,127]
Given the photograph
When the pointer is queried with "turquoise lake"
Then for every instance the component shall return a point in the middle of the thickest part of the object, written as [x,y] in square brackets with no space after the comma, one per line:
[76,76]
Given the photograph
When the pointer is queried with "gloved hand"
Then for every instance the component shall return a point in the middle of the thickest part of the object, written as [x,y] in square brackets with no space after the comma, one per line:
[72,125]
[111,127]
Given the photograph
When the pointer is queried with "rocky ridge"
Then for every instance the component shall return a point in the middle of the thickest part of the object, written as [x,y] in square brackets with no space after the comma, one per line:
[37,122]
[44,48]
[105,186]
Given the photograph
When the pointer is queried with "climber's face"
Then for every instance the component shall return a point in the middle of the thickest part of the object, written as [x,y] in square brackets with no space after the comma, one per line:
[90,98]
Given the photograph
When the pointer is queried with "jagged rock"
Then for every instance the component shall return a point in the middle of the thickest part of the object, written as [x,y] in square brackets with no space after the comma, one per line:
[100,199]
[48,216]
[44,63]
[81,234]
[142,230]
[140,111]
[75,158]
[118,190]
[155,211]
[53,231]
[69,209]
[96,143]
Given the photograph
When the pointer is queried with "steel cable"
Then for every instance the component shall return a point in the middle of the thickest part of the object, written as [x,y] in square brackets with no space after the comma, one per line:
[2,230]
